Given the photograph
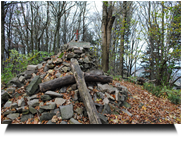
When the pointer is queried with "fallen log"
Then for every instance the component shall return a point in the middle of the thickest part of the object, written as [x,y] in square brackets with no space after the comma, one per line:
[67,80]
[84,93]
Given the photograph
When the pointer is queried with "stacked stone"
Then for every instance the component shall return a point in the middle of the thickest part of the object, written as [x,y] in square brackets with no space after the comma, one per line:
[22,101]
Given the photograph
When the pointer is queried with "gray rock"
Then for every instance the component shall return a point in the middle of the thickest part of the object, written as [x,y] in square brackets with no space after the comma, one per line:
[86,60]
[56,111]
[8,121]
[11,90]
[73,121]
[107,109]
[121,98]
[79,110]
[74,87]
[59,61]
[49,106]
[106,100]
[21,79]
[32,110]
[100,95]
[16,95]
[46,58]
[63,122]
[50,66]
[13,116]
[78,51]
[32,97]
[103,119]
[26,117]
[66,64]
[25,111]
[39,66]
[59,101]
[65,69]
[4,96]
[66,111]
[62,90]
[75,97]
[33,103]
[49,62]
[109,96]
[46,116]
[125,111]
[32,67]
[70,55]
[45,98]
[53,94]
[8,112]
[46,68]
[33,86]
[117,94]
[58,74]
[106,88]
[90,87]
[127,105]
[50,122]
[14,105]
[99,107]
[21,102]
[86,66]
[96,72]
[16,82]
[8,104]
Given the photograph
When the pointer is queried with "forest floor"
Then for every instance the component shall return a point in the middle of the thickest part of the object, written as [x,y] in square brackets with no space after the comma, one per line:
[147,108]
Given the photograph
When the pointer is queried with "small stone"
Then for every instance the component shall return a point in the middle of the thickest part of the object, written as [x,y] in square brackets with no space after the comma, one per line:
[4,96]
[59,60]
[39,66]
[13,116]
[33,103]
[53,94]
[49,106]
[79,110]
[70,55]
[46,58]
[45,98]
[21,78]
[14,105]
[21,102]
[16,82]
[63,90]
[59,101]
[74,86]
[66,64]
[78,51]
[51,66]
[50,122]
[50,71]
[90,87]
[46,116]
[103,119]
[8,112]
[58,74]
[32,110]
[109,96]
[8,121]
[7,104]
[86,60]
[49,62]
[16,95]
[75,97]
[54,119]
[73,121]
[106,100]
[32,97]
[32,67]
[25,111]
[26,117]
[63,122]
[127,105]
[100,95]
[106,88]
[125,111]
[66,111]
[107,109]
[11,90]
[46,68]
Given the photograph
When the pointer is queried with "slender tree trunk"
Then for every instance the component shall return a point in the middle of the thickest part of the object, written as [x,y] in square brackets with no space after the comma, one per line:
[122,38]
[2,34]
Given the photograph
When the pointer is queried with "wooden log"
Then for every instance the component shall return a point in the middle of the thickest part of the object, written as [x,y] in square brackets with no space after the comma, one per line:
[60,82]
[84,93]
[57,83]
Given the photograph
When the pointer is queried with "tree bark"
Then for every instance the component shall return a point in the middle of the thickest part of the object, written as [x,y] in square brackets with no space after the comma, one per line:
[2,34]
[83,91]
[66,80]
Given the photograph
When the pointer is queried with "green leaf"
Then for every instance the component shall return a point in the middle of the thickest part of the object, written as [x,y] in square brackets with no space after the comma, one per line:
[60,56]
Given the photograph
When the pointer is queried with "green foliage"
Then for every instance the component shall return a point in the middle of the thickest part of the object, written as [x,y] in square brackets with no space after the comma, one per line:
[117,77]
[163,91]
[60,56]
[18,62]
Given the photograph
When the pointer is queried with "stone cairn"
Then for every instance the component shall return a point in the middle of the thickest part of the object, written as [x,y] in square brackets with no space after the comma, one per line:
[56,91]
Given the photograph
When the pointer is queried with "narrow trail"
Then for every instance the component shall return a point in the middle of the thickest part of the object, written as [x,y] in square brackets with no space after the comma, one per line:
[147,108]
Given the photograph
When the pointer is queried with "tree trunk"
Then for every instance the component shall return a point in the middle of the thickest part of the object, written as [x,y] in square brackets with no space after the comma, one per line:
[122,38]
[84,93]
[67,80]
[2,34]
[107,22]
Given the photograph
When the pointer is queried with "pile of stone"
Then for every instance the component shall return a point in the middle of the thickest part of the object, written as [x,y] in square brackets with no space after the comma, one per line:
[23,103]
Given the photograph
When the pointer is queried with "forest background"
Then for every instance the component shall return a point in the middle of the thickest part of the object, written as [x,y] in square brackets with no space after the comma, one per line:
[130,38]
